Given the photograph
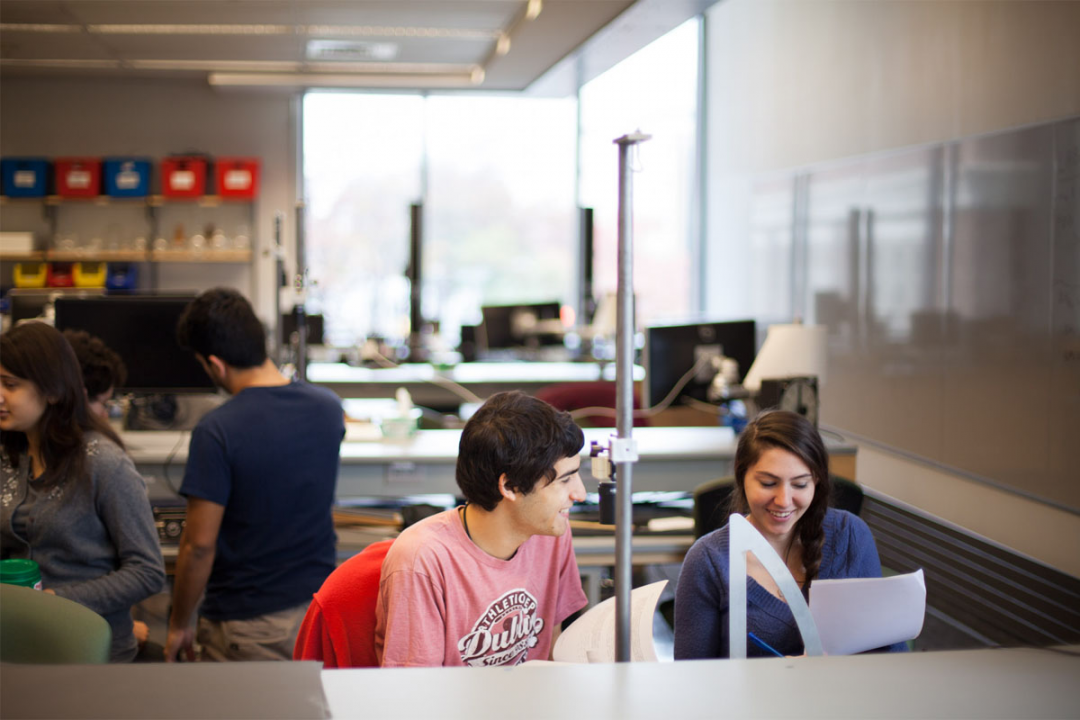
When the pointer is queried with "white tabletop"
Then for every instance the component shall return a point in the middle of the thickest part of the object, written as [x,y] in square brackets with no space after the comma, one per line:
[654,443]
[1019,683]
[468,373]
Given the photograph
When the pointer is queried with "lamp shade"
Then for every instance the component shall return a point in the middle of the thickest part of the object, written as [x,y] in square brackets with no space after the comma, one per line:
[789,351]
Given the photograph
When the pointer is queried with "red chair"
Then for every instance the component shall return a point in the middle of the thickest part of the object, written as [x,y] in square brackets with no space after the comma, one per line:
[339,628]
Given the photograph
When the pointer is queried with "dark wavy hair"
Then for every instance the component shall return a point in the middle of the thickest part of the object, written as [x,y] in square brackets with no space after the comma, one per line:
[517,435]
[794,433]
[101,367]
[40,354]
[222,322]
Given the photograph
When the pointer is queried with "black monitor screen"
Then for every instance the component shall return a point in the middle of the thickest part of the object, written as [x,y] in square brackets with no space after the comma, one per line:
[313,323]
[142,331]
[506,326]
[28,304]
[672,350]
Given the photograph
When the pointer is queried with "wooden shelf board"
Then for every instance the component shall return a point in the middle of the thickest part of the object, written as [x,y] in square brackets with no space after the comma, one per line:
[22,257]
[205,256]
[100,256]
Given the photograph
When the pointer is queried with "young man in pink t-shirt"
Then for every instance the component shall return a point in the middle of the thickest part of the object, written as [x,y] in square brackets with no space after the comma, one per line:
[488,583]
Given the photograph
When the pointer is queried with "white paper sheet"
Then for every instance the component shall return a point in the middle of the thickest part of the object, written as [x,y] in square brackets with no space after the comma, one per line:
[858,614]
[591,638]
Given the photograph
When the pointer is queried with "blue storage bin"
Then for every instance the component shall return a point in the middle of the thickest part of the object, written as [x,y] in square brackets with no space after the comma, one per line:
[25,177]
[122,276]
[127,177]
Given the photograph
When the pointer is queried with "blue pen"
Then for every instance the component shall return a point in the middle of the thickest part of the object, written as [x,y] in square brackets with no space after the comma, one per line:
[762,644]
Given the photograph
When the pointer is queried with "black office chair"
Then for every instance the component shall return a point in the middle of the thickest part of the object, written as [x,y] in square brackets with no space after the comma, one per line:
[711,505]
[711,501]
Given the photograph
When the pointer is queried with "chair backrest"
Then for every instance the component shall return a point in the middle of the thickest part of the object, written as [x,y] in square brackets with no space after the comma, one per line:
[711,501]
[711,504]
[577,396]
[41,628]
[847,495]
[339,627]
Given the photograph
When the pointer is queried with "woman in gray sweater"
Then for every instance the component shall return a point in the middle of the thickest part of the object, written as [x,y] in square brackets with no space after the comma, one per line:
[70,498]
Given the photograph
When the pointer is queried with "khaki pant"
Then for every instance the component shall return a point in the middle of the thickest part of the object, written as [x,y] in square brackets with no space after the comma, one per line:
[267,637]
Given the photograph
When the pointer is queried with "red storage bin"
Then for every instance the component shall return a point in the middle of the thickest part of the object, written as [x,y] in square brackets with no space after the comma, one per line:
[61,274]
[237,177]
[183,177]
[78,177]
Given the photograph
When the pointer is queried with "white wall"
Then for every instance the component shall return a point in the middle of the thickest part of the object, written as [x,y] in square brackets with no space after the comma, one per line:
[56,117]
[793,83]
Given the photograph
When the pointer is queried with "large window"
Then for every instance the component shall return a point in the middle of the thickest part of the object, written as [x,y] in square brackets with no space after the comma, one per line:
[496,175]
[655,91]
[499,223]
[362,170]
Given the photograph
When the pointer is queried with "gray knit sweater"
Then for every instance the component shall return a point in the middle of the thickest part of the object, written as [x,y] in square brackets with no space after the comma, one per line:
[94,537]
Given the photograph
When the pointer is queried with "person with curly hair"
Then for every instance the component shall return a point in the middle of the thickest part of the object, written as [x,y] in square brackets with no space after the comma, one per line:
[102,369]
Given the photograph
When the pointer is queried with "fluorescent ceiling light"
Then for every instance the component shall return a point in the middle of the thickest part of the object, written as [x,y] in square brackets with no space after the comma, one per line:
[121,29]
[339,80]
[502,45]
[419,32]
[216,65]
[376,68]
[96,64]
[477,34]
[39,28]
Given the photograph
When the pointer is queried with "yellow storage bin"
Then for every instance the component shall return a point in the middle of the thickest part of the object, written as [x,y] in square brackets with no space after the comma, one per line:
[30,275]
[90,274]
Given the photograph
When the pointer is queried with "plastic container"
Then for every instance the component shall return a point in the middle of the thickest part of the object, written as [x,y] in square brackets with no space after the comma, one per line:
[25,176]
[237,178]
[89,274]
[183,177]
[122,276]
[30,274]
[78,177]
[17,571]
[61,274]
[127,177]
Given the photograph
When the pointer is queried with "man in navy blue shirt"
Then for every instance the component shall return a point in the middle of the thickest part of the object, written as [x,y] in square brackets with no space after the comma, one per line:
[259,482]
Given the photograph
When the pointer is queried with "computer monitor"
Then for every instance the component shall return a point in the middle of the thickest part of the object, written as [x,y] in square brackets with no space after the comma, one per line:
[508,326]
[142,331]
[28,304]
[672,350]
[314,324]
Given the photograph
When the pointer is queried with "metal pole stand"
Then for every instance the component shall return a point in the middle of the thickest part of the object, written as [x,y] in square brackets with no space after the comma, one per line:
[622,449]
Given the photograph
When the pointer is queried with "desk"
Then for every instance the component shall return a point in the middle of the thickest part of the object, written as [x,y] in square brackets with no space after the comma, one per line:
[481,378]
[671,459]
[1015,683]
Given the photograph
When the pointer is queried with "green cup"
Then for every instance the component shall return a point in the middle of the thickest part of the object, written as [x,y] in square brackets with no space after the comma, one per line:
[20,572]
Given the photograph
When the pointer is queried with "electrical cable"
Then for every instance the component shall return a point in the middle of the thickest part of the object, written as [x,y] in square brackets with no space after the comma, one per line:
[460,390]
[184,437]
[655,409]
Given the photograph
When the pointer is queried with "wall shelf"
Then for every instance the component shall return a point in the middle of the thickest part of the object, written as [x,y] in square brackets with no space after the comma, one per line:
[201,256]
[106,200]
[97,256]
[35,256]
[157,256]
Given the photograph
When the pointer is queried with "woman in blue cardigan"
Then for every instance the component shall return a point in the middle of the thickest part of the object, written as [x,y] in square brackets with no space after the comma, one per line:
[782,487]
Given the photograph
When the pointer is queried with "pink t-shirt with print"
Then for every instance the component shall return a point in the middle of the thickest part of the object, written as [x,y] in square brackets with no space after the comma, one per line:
[444,601]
